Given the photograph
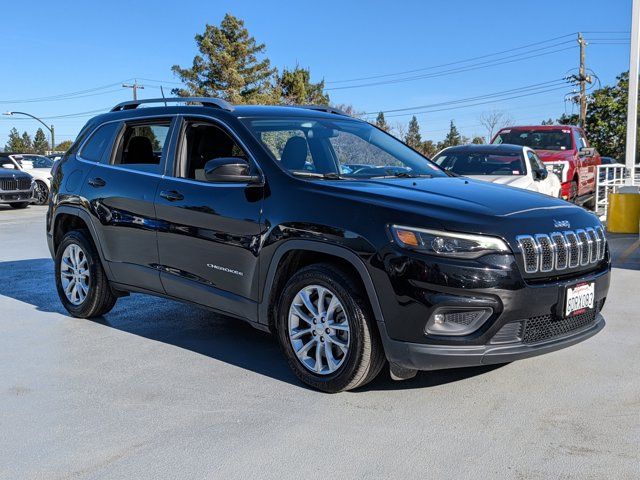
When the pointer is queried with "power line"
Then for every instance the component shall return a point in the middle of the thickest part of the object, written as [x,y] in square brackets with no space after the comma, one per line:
[448,72]
[524,88]
[493,100]
[371,77]
[62,96]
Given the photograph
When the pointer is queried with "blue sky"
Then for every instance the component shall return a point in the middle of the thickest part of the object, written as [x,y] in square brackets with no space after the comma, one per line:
[52,48]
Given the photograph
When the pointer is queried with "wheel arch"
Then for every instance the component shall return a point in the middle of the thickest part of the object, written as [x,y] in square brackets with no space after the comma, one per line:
[68,218]
[287,258]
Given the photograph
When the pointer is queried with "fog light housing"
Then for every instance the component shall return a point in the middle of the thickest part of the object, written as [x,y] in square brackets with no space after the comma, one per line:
[457,321]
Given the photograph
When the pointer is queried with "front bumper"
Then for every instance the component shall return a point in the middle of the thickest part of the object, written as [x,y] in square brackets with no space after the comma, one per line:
[527,320]
[16,196]
[416,356]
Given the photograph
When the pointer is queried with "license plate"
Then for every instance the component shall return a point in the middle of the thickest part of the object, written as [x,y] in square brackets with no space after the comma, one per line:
[579,297]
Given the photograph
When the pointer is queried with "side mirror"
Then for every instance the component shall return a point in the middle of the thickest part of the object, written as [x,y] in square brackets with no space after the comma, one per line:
[540,174]
[229,169]
[587,152]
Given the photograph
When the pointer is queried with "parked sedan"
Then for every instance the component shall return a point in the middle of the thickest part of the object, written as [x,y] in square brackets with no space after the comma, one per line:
[16,188]
[512,165]
[38,166]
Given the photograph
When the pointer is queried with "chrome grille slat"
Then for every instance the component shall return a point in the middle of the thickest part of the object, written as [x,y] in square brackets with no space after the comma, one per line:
[561,250]
[585,251]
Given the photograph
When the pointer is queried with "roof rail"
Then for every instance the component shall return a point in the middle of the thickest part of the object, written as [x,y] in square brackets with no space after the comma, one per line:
[204,101]
[325,108]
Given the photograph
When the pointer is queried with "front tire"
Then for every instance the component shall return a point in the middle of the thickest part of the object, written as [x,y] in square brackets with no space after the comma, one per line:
[82,285]
[326,330]
[19,205]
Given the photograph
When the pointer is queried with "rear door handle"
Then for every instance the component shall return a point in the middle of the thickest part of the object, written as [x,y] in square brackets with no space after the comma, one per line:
[97,182]
[171,195]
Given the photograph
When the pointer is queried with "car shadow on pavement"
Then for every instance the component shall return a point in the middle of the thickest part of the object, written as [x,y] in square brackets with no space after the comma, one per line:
[192,328]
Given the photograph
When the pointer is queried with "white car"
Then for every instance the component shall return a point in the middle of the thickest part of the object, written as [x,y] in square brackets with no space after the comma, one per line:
[38,166]
[512,165]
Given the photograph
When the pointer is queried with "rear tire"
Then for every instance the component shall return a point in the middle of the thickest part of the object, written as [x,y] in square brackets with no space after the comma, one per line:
[82,285]
[349,355]
[19,205]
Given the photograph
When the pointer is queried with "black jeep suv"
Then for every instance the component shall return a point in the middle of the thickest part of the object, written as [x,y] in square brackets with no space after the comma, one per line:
[351,247]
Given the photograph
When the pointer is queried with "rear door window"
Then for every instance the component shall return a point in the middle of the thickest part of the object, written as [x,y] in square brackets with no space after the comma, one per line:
[141,146]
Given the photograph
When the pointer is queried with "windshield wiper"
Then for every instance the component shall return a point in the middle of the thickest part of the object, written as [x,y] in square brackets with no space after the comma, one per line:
[404,175]
[324,176]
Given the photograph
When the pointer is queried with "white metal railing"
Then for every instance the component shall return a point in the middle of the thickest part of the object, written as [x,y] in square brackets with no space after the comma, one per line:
[608,179]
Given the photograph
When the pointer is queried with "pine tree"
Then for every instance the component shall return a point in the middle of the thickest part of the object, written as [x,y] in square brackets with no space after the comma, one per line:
[453,138]
[413,138]
[40,144]
[295,88]
[228,66]
[381,122]
[14,142]
[428,149]
[27,143]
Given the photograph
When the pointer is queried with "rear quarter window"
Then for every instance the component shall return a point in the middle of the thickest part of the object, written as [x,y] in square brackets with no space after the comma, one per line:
[99,142]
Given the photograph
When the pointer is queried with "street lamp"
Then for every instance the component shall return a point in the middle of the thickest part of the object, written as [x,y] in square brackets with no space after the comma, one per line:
[50,128]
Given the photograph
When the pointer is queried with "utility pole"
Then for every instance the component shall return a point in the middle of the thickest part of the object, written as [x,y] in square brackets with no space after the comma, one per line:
[632,106]
[582,79]
[583,82]
[135,86]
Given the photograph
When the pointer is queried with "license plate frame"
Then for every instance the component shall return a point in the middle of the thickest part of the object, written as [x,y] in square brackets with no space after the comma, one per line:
[579,298]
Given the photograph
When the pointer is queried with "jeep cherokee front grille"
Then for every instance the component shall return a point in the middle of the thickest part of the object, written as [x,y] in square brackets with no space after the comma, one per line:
[562,250]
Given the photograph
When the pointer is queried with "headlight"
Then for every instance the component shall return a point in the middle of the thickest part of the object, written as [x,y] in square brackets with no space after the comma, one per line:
[560,169]
[447,244]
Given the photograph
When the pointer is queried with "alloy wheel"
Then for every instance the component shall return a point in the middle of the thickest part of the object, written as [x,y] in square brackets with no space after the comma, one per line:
[318,329]
[41,193]
[74,274]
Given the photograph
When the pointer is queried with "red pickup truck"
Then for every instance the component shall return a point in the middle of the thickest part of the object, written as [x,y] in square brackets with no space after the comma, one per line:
[565,151]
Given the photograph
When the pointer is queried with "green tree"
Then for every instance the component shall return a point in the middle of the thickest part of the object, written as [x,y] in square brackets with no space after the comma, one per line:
[478,140]
[295,88]
[453,138]
[571,119]
[606,124]
[228,66]
[27,143]
[14,142]
[40,144]
[413,137]
[547,122]
[381,122]
[428,149]
[63,146]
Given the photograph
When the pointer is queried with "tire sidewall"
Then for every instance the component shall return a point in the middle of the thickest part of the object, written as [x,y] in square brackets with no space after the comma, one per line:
[45,189]
[78,238]
[339,379]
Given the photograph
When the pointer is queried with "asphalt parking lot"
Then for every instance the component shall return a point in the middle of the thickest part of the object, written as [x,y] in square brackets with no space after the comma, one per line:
[157,389]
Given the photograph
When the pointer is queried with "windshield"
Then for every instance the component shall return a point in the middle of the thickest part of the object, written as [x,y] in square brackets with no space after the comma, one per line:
[559,139]
[338,148]
[479,163]
[39,161]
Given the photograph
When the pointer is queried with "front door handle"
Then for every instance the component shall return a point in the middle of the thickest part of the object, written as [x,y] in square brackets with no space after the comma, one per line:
[171,195]
[97,182]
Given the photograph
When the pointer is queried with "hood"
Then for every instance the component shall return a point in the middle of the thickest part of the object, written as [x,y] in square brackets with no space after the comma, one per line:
[10,172]
[465,205]
[520,181]
[554,155]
